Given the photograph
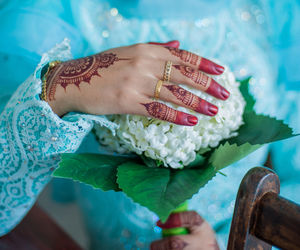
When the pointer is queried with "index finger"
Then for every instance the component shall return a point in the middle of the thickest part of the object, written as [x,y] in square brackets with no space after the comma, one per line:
[195,61]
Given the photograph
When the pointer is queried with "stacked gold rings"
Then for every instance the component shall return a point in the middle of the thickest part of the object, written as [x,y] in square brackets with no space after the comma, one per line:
[166,78]
[167,73]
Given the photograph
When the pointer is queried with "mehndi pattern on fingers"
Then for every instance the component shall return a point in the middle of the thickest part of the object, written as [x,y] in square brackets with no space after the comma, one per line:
[185,56]
[163,112]
[190,218]
[78,71]
[195,75]
[201,63]
[192,101]
[185,96]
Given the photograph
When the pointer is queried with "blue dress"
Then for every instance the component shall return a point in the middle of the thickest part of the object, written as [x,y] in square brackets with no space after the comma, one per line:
[252,37]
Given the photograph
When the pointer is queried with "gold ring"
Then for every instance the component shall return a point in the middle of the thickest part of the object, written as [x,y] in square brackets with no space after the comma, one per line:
[167,72]
[158,88]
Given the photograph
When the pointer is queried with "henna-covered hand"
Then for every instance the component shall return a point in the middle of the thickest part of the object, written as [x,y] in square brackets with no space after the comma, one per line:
[78,71]
[201,236]
[122,81]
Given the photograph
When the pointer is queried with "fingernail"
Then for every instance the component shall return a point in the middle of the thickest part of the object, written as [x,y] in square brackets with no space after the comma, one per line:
[225,94]
[174,43]
[192,119]
[219,69]
[212,110]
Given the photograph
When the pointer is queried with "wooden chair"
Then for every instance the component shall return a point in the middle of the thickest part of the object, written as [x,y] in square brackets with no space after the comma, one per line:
[262,217]
[37,231]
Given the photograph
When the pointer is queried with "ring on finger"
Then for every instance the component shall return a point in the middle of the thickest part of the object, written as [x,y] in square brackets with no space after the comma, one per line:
[158,88]
[167,72]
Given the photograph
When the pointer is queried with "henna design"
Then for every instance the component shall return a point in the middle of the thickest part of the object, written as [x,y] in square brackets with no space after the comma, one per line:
[190,218]
[185,96]
[210,67]
[78,71]
[217,90]
[208,84]
[163,112]
[192,101]
[203,64]
[195,75]
[183,219]
[171,243]
[185,55]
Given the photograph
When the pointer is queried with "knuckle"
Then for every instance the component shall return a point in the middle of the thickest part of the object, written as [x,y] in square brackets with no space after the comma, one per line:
[122,96]
[140,47]
[127,80]
[138,62]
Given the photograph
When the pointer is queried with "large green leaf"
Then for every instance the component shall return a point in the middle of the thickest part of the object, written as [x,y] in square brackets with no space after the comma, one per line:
[227,154]
[261,129]
[96,170]
[244,88]
[161,190]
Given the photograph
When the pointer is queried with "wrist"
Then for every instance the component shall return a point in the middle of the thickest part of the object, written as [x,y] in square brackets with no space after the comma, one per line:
[60,104]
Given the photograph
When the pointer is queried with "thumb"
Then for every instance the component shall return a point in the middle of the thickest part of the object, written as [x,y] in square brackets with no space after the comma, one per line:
[188,219]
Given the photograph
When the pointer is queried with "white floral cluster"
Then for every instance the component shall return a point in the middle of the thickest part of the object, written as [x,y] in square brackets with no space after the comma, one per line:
[176,145]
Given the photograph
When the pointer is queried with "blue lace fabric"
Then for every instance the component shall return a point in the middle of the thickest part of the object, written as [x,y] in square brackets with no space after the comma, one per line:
[239,34]
[31,138]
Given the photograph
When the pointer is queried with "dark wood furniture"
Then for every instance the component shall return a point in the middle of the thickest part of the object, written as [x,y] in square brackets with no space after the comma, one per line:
[261,217]
[37,231]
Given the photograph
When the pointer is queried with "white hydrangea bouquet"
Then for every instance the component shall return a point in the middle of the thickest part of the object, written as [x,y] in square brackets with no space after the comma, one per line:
[161,165]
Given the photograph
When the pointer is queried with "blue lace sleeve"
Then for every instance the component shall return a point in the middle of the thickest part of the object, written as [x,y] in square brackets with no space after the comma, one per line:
[31,139]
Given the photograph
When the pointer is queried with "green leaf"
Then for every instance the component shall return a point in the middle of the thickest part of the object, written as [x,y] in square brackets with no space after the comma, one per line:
[96,170]
[244,88]
[198,162]
[161,190]
[149,162]
[227,154]
[261,129]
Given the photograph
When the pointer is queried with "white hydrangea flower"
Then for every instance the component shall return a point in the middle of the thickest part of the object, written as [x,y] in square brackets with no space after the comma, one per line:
[176,145]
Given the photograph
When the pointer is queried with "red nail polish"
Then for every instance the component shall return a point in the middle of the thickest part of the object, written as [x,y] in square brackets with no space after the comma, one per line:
[210,67]
[225,93]
[212,110]
[217,90]
[174,43]
[219,69]
[192,119]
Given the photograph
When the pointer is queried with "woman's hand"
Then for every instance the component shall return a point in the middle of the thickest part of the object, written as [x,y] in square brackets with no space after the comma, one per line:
[201,234]
[123,80]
